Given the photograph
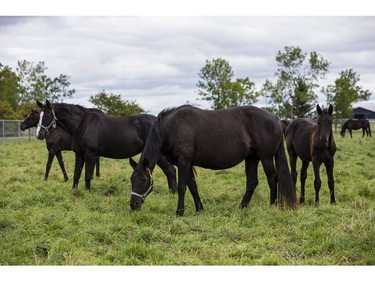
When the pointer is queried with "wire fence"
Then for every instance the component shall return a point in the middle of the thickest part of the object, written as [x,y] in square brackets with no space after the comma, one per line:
[10,132]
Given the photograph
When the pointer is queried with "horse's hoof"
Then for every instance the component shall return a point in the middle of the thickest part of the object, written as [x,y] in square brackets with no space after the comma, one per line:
[180,212]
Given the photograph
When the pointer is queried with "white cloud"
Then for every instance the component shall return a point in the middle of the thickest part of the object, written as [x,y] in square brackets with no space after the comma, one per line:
[155,60]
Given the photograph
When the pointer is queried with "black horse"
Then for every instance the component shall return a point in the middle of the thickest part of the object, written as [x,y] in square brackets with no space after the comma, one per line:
[188,136]
[356,124]
[97,134]
[312,142]
[57,140]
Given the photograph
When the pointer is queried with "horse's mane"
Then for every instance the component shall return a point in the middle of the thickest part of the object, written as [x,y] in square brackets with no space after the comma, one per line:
[167,111]
[74,108]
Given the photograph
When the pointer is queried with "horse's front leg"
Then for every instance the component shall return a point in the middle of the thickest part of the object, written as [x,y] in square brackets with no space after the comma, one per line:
[317,181]
[303,177]
[78,169]
[89,168]
[170,172]
[183,174]
[331,182]
[97,166]
[194,191]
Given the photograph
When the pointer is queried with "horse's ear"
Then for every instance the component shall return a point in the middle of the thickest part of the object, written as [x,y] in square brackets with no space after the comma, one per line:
[318,109]
[39,103]
[48,103]
[132,163]
[330,109]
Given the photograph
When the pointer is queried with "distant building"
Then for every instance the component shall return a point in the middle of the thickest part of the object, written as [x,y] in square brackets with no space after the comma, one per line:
[363,113]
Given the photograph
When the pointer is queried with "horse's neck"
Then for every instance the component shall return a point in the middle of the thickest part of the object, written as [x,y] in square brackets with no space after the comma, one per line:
[69,120]
[152,148]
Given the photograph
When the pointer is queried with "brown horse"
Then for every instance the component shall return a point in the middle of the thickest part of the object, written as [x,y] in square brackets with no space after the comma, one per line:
[220,139]
[356,124]
[312,142]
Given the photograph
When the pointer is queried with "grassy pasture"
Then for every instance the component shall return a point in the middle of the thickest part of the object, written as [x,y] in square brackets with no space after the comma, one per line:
[48,223]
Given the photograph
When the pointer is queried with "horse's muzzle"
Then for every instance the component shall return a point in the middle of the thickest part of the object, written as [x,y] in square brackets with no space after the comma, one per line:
[135,203]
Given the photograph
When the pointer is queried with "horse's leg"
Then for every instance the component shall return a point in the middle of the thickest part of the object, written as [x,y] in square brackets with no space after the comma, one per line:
[331,182]
[363,132]
[78,169]
[89,168]
[317,181]
[305,165]
[194,190]
[251,169]
[51,155]
[183,177]
[269,169]
[293,165]
[62,166]
[97,166]
[170,172]
[350,132]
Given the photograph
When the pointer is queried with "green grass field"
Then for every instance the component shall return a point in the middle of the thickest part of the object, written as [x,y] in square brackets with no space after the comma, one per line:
[48,223]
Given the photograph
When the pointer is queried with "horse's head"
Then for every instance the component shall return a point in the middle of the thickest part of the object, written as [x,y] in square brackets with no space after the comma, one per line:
[31,120]
[325,121]
[47,119]
[142,183]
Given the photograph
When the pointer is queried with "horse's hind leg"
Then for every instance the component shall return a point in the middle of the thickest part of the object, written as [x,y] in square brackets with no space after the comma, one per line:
[51,155]
[331,182]
[269,169]
[305,165]
[251,168]
[62,166]
[170,172]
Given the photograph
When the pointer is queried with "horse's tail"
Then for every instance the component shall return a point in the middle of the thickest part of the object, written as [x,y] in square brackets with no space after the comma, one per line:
[285,183]
[343,129]
[369,128]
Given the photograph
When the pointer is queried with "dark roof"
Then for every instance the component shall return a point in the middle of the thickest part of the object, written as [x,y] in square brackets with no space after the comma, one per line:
[362,110]
[363,113]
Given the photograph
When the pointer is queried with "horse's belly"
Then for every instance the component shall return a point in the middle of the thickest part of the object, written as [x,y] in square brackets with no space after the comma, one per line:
[219,160]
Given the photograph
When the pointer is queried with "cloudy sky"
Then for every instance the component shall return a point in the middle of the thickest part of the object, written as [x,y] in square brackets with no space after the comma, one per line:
[155,60]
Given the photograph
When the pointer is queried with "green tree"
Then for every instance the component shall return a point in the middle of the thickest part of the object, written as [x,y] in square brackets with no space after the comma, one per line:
[114,105]
[9,88]
[216,85]
[297,74]
[345,92]
[35,84]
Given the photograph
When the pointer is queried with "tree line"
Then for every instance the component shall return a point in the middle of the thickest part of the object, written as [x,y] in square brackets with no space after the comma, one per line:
[292,95]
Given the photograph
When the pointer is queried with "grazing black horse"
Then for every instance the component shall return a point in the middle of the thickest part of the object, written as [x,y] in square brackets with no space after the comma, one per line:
[356,124]
[312,142]
[97,134]
[57,140]
[188,136]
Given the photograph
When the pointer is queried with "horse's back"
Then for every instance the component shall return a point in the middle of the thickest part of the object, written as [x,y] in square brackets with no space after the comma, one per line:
[115,137]
[298,136]
[222,137]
